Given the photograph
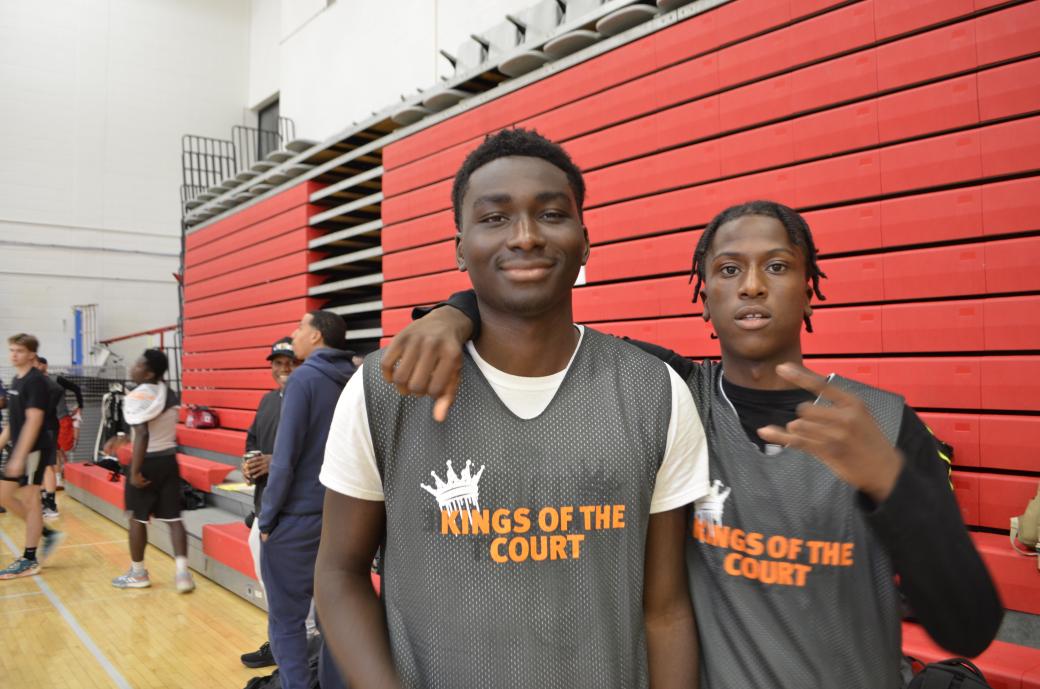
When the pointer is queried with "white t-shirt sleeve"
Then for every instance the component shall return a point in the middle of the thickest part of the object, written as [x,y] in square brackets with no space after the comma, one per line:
[683,476]
[350,458]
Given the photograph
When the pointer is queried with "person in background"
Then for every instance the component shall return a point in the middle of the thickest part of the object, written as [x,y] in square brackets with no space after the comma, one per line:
[60,426]
[257,461]
[153,488]
[28,403]
[291,507]
[3,448]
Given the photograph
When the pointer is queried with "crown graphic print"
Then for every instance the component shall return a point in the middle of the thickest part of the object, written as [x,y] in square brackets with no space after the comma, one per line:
[458,491]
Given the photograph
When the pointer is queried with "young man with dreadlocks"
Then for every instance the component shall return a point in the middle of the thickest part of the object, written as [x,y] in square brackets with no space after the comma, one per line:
[823,489]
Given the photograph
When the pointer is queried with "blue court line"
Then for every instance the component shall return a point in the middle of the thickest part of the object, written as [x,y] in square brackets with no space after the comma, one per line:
[70,619]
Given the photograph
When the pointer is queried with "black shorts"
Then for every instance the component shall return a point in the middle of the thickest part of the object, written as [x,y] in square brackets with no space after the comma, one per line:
[36,463]
[161,499]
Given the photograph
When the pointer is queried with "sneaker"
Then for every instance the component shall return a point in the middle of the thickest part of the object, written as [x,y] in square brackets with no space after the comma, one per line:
[130,580]
[184,582]
[49,544]
[262,657]
[50,514]
[20,568]
[59,482]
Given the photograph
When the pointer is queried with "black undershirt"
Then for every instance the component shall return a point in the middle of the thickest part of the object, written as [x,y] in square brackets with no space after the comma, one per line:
[261,435]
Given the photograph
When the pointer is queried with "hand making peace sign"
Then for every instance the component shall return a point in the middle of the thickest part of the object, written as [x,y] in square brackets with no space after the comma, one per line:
[844,436]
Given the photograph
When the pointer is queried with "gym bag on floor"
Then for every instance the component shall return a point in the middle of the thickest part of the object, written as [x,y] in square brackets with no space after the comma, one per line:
[954,673]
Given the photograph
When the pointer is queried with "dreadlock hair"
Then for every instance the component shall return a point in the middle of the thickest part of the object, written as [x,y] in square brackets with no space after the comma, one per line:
[157,362]
[515,142]
[797,231]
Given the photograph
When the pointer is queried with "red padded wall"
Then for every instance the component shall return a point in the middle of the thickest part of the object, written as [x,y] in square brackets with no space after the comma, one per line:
[907,133]
[245,285]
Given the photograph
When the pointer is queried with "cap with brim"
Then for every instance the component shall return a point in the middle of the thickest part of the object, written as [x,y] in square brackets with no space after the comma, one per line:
[282,347]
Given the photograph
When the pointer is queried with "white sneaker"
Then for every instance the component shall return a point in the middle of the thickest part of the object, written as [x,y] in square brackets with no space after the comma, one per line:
[50,515]
[132,580]
[184,582]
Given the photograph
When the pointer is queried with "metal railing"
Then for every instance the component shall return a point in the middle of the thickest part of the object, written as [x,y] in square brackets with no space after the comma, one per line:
[205,163]
[253,144]
[166,338]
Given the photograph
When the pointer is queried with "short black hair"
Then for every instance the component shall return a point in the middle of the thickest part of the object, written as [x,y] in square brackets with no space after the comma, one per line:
[42,360]
[157,362]
[515,142]
[797,231]
[332,327]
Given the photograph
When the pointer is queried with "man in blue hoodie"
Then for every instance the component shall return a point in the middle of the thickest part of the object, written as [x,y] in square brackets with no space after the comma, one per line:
[290,514]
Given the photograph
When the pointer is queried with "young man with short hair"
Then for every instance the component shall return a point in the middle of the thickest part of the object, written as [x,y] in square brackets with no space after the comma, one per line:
[823,490]
[28,401]
[291,507]
[534,539]
[257,461]
[153,488]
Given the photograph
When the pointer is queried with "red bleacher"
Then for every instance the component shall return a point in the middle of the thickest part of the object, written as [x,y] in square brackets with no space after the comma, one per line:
[96,481]
[202,473]
[229,545]
[1006,666]
[246,283]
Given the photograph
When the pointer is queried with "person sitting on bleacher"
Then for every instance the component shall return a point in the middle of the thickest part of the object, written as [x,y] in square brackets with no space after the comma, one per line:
[153,488]
[823,489]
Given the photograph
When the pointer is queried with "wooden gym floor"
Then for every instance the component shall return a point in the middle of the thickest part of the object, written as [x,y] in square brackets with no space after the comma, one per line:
[67,628]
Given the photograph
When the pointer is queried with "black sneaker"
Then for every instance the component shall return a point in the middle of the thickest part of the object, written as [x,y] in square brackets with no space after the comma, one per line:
[262,657]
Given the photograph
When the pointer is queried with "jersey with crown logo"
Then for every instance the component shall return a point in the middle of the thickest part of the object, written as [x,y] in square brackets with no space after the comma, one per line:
[514,549]
[790,586]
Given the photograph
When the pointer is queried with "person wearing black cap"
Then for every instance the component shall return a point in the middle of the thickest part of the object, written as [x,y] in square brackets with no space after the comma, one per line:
[257,461]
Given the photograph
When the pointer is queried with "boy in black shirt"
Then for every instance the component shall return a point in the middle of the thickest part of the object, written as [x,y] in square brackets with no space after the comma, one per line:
[260,439]
[28,401]
[791,558]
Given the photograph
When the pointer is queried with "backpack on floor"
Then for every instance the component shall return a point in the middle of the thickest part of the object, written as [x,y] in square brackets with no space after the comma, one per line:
[953,673]
[191,497]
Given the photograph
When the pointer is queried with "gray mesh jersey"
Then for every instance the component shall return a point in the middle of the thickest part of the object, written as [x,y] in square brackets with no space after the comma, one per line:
[525,602]
[790,586]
